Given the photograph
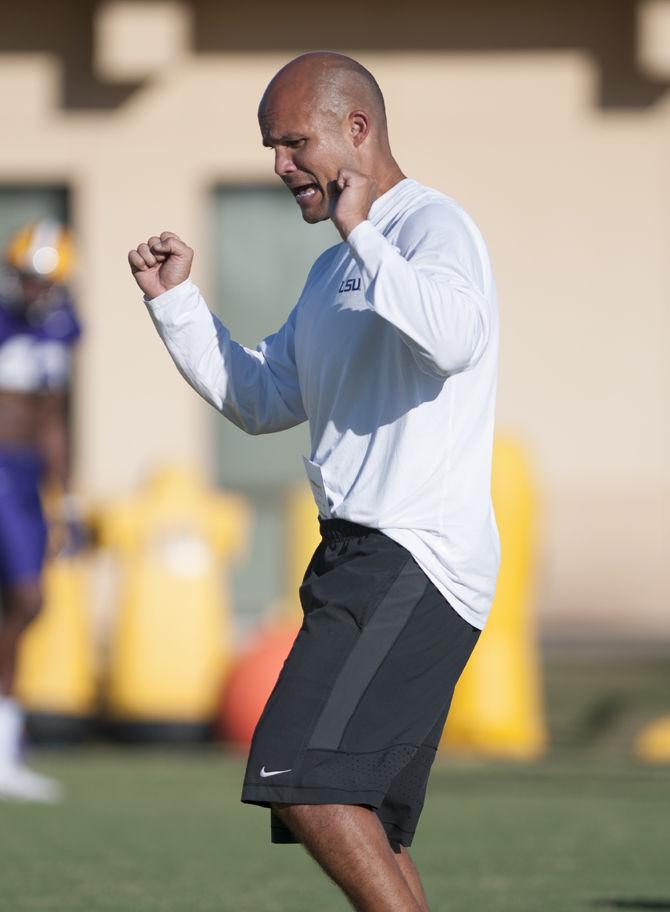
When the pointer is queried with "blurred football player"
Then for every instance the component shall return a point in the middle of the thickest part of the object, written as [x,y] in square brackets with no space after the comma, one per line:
[38,329]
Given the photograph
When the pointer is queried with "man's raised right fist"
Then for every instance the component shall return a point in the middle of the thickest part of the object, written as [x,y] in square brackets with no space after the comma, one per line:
[161,263]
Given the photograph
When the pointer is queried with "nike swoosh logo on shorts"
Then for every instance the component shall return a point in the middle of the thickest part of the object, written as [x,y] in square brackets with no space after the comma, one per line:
[265,773]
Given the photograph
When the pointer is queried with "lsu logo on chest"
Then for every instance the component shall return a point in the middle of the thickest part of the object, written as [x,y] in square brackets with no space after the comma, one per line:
[349,285]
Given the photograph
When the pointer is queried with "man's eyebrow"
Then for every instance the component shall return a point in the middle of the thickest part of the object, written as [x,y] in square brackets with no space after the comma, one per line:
[279,141]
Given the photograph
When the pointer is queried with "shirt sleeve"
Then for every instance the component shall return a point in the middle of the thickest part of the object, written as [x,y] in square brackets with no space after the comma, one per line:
[256,390]
[430,287]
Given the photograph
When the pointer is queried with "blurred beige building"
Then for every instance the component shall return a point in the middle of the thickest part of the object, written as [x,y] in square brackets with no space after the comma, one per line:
[549,122]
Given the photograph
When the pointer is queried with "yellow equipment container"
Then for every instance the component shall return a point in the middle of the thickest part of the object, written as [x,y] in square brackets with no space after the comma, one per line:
[56,677]
[172,640]
[302,538]
[498,707]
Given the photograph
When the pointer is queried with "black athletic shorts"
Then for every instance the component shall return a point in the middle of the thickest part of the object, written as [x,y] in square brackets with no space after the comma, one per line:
[358,709]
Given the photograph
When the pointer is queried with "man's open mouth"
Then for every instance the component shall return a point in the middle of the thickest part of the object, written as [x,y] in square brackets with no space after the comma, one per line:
[304,192]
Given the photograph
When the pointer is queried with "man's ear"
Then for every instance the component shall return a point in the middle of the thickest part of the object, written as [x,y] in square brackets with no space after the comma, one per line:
[359,125]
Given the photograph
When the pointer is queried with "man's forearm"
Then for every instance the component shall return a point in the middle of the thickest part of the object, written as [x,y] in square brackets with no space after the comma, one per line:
[235,380]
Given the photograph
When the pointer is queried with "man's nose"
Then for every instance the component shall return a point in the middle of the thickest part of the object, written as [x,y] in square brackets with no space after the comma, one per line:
[283,162]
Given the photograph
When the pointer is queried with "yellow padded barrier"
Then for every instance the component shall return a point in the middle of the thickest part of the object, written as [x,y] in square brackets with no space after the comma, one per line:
[302,538]
[56,671]
[652,745]
[172,640]
[498,705]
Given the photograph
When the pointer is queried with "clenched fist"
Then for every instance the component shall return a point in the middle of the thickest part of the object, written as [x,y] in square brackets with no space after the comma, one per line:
[356,194]
[161,263]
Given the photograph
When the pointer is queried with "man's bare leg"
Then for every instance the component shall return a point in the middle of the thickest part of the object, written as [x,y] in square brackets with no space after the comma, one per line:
[350,844]
[411,875]
[21,604]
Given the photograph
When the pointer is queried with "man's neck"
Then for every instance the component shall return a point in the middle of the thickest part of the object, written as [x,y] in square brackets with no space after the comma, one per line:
[388,177]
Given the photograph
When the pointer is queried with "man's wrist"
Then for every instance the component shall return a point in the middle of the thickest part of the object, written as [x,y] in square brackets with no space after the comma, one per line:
[164,296]
[345,228]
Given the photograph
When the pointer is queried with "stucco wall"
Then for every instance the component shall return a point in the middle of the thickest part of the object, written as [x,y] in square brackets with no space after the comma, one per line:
[573,198]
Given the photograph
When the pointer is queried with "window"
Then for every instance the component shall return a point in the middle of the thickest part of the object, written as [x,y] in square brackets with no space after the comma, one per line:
[262,252]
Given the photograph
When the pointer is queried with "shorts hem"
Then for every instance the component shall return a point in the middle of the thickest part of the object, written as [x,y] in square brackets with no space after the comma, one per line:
[265,795]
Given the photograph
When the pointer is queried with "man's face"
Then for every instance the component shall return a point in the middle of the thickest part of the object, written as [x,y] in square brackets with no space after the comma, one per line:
[310,147]
[35,289]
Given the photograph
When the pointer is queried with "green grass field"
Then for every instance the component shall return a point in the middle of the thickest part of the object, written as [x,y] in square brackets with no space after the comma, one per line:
[157,831]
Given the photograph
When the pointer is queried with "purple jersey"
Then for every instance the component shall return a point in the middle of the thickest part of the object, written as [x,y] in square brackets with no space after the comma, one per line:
[36,350]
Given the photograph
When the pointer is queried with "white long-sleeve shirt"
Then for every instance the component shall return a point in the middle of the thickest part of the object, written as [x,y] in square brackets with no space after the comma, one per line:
[391,354]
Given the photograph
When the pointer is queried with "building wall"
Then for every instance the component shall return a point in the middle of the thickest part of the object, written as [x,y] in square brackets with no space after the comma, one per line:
[572,195]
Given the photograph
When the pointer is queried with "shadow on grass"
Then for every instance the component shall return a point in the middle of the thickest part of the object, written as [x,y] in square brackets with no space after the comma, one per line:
[631,903]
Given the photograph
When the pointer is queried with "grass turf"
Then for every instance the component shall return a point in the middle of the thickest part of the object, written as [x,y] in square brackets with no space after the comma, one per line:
[153,831]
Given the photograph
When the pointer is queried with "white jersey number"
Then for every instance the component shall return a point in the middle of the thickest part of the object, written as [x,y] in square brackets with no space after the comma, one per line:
[32,365]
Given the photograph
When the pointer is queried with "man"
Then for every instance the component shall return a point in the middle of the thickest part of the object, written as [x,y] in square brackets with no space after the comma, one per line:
[38,329]
[391,354]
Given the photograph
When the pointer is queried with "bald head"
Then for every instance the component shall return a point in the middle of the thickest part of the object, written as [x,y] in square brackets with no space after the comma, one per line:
[320,113]
[332,83]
